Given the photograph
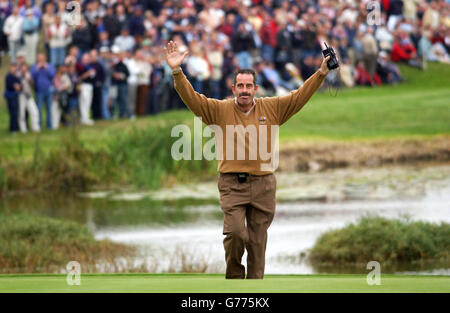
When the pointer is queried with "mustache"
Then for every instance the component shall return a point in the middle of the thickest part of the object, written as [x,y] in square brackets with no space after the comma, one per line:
[244,94]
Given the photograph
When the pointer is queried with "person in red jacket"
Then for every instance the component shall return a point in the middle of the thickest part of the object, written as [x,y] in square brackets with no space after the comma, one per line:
[402,51]
[268,35]
[363,77]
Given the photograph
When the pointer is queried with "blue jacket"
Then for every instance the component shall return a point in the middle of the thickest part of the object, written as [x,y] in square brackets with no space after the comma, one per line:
[43,78]
[10,91]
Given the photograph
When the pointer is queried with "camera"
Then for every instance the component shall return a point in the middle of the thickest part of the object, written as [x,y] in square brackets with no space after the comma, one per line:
[332,62]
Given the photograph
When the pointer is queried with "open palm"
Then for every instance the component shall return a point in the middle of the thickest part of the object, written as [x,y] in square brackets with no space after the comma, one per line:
[173,57]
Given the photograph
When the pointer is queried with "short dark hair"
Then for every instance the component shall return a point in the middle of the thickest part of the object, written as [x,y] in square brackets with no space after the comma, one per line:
[244,71]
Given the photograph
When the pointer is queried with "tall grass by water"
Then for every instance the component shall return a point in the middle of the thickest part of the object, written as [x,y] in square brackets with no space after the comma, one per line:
[33,244]
[384,240]
[136,157]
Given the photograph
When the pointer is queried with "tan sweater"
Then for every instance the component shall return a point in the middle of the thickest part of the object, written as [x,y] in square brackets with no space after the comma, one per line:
[264,118]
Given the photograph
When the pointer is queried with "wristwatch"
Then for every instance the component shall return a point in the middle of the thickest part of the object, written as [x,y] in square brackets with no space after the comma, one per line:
[178,69]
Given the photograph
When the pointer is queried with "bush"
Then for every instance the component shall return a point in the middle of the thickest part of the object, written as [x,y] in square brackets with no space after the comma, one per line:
[32,244]
[383,240]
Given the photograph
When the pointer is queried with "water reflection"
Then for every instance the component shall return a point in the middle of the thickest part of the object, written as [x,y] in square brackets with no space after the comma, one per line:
[163,226]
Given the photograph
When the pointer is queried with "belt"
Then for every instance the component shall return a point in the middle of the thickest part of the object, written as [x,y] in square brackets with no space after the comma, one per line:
[241,177]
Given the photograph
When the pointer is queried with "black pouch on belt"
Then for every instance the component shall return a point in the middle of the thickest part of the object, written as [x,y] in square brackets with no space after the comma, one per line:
[242,177]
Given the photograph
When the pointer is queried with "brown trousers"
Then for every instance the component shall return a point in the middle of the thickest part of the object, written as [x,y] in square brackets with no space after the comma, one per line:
[248,209]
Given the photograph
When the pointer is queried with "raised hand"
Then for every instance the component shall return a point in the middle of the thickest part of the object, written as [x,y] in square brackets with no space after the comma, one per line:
[173,57]
[324,67]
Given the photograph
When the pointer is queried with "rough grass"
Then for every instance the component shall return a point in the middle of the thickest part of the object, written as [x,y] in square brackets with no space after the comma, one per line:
[32,244]
[384,240]
[140,157]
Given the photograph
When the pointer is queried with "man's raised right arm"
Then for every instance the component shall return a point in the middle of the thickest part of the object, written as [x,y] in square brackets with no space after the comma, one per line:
[199,104]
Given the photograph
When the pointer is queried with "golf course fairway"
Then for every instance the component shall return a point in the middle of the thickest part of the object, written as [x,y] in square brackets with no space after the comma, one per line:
[216,283]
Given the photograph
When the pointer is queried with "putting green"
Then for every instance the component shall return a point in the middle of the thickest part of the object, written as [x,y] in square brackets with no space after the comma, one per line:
[211,283]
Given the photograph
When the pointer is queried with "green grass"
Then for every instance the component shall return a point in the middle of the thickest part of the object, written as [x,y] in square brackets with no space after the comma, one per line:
[216,283]
[418,108]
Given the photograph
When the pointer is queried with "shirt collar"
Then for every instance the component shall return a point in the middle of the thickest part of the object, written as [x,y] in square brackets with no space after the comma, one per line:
[248,112]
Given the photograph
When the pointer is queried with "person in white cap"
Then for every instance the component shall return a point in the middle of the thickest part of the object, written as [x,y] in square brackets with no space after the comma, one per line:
[13,30]
[30,28]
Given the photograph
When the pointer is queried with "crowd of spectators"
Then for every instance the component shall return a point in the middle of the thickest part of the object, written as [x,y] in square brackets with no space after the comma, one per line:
[108,61]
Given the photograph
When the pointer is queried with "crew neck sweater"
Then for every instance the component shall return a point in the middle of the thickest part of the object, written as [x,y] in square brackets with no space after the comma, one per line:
[260,124]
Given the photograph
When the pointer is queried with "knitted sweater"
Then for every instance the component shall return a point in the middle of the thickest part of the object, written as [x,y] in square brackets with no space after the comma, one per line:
[254,132]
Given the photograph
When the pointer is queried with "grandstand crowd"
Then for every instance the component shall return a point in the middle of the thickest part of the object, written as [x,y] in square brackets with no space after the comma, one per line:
[82,61]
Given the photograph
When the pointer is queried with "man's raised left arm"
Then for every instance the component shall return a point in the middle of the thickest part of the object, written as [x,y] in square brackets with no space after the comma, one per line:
[288,105]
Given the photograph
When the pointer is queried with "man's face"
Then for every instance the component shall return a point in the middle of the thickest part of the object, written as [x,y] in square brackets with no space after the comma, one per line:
[93,56]
[41,58]
[244,90]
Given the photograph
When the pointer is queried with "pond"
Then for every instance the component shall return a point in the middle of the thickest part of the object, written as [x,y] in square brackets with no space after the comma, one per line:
[180,228]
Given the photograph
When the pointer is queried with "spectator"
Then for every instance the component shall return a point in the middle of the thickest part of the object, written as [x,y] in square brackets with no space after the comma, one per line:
[231,35]
[395,14]
[29,6]
[105,61]
[363,77]
[143,81]
[284,47]
[97,82]
[5,11]
[13,31]
[387,71]
[43,74]
[243,43]
[403,51]
[307,68]
[358,47]
[27,104]
[66,17]
[370,51]
[111,24]
[48,19]
[136,23]
[73,95]
[197,68]
[86,74]
[72,56]
[30,27]
[103,41]
[281,86]
[12,89]
[59,37]
[62,86]
[215,58]
[431,16]
[133,69]
[125,41]
[347,73]
[120,76]
[410,9]
[83,38]
[268,37]
[384,37]
[227,27]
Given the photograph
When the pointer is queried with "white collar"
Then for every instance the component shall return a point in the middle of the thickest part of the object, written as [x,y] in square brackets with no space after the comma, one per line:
[248,112]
